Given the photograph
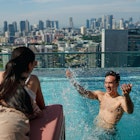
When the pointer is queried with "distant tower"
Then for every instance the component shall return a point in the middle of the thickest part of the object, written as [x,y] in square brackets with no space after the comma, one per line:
[56,24]
[122,23]
[83,30]
[22,26]
[15,26]
[114,24]
[11,33]
[71,22]
[27,26]
[109,19]
[48,24]
[87,23]
[11,30]
[5,28]
[103,22]
[41,25]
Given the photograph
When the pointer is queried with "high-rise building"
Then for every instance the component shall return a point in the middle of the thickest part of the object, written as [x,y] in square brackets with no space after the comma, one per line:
[71,22]
[11,31]
[22,26]
[114,24]
[121,23]
[5,28]
[83,30]
[103,22]
[48,24]
[87,24]
[109,22]
[27,26]
[41,25]
[114,41]
[56,24]
[15,26]
[134,45]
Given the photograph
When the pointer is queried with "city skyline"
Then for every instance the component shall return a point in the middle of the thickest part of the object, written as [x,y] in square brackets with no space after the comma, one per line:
[61,10]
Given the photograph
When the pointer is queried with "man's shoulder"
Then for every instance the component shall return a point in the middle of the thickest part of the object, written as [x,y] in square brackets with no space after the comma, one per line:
[99,94]
[120,97]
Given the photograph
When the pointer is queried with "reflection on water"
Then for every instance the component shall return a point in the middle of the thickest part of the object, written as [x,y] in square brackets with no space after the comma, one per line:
[80,112]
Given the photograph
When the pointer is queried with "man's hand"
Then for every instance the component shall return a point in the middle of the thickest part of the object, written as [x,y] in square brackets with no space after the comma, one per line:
[126,88]
[68,73]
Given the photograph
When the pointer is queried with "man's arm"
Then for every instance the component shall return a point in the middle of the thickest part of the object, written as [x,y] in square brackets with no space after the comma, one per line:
[80,89]
[127,103]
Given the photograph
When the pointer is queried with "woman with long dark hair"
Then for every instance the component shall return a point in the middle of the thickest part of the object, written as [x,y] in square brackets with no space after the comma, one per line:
[17,102]
[32,82]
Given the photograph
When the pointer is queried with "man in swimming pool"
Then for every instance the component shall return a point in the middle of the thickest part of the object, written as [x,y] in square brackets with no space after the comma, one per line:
[112,105]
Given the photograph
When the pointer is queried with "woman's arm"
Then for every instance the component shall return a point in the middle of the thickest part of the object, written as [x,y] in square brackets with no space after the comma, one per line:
[34,85]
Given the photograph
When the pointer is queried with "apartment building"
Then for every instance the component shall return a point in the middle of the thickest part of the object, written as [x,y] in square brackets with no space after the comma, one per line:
[114,41]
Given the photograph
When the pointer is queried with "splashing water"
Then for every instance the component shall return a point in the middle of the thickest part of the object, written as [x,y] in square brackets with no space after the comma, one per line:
[80,112]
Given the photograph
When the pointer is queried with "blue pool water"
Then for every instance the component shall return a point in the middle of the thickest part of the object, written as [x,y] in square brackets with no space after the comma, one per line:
[80,112]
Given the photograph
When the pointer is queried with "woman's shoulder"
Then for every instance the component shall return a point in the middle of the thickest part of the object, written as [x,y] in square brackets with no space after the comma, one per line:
[1,73]
[1,76]
[34,77]
[34,80]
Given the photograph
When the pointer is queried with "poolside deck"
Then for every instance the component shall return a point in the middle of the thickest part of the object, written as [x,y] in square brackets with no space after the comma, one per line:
[51,126]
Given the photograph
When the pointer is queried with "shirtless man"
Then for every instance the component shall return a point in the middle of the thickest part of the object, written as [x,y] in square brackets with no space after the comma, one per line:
[112,105]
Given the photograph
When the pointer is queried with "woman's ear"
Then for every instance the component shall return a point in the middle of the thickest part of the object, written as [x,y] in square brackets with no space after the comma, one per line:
[30,67]
[35,63]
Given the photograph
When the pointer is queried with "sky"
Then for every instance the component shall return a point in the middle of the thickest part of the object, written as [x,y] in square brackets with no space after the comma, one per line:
[61,10]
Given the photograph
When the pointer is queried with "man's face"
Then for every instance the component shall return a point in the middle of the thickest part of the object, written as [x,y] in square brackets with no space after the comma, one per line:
[110,84]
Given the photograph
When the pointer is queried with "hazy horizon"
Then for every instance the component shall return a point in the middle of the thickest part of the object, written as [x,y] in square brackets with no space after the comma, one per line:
[61,10]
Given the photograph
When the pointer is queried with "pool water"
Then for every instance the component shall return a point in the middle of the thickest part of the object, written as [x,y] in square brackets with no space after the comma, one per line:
[80,112]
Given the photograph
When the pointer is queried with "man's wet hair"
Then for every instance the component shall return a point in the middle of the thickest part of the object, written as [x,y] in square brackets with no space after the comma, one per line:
[112,73]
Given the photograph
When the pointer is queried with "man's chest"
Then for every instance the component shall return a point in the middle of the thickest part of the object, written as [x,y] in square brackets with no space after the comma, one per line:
[110,104]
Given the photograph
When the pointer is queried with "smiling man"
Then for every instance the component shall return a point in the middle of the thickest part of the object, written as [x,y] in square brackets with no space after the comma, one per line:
[112,105]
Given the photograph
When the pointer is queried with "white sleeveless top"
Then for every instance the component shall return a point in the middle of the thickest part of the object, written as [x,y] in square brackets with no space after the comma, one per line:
[32,95]
[29,91]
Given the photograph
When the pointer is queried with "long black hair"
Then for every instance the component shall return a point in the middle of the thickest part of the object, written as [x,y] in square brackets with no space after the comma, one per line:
[11,89]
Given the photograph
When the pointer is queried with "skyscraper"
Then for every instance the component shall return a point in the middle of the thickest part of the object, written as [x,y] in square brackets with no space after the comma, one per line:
[11,31]
[114,41]
[5,28]
[15,26]
[121,23]
[71,22]
[87,24]
[109,19]
[41,25]
[48,24]
[27,26]
[22,26]
[56,24]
